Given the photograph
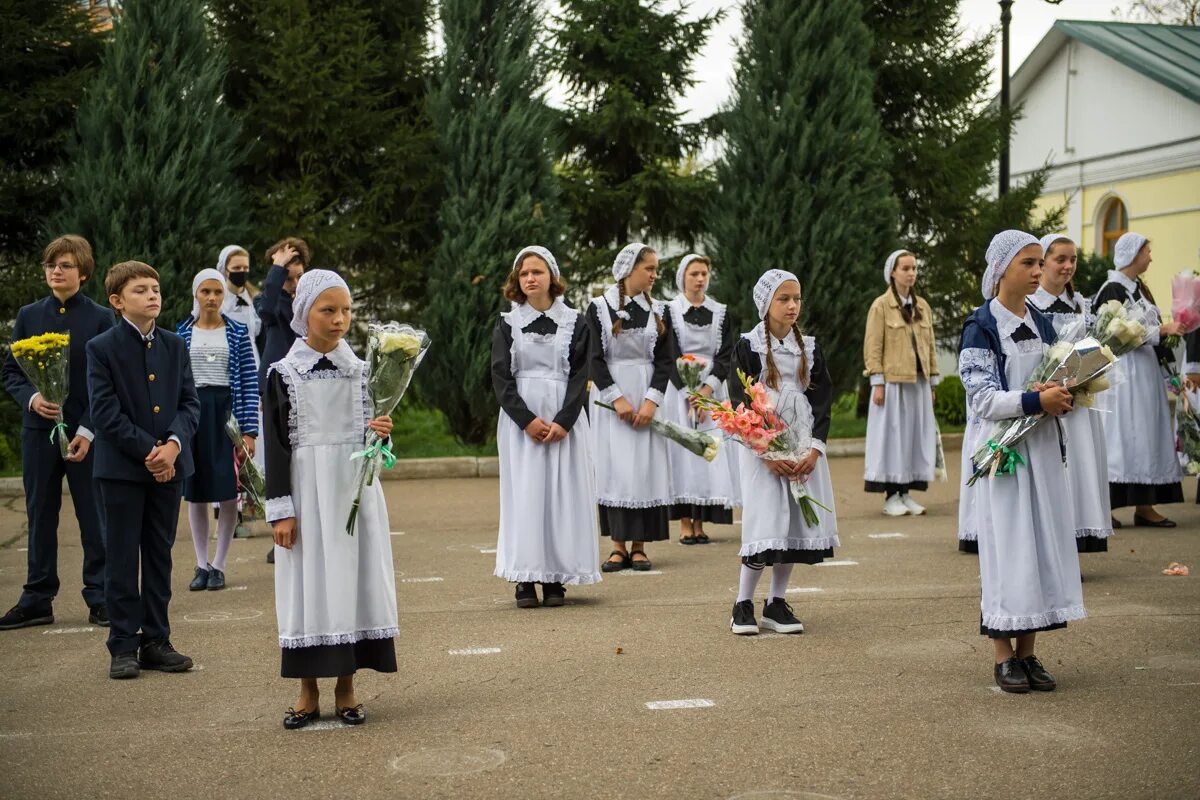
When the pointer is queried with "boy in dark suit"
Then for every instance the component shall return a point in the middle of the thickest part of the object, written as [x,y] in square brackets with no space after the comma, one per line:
[145,409]
[68,264]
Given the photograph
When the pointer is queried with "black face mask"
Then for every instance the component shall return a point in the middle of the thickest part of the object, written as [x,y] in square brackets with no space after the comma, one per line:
[238,279]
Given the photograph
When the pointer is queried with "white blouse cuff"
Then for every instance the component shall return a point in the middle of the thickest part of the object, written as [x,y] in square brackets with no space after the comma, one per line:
[654,396]
[611,394]
[713,383]
[280,508]
[877,379]
[819,446]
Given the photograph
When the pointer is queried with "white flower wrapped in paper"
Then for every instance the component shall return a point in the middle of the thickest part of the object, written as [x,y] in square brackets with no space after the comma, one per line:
[409,344]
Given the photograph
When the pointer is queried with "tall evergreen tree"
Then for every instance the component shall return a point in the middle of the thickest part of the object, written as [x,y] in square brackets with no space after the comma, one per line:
[495,140]
[803,176]
[625,171]
[151,174]
[48,51]
[332,93]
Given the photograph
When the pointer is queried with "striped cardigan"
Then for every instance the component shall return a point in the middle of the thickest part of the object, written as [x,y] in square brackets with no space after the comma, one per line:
[243,375]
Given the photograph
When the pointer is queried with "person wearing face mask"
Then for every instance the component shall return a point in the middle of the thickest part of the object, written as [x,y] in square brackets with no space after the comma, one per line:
[234,265]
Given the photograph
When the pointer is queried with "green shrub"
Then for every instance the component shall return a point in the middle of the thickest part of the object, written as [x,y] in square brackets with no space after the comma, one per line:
[950,407]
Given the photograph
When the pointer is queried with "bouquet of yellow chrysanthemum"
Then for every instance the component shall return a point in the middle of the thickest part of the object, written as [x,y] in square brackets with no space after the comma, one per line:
[45,360]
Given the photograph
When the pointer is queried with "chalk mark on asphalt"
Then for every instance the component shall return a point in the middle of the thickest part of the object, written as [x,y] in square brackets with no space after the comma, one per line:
[474,651]
[666,705]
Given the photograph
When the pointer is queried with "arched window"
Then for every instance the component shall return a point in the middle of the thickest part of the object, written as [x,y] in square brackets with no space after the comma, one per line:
[1114,222]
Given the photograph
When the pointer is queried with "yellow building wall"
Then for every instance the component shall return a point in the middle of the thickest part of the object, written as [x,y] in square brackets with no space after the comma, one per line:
[1163,208]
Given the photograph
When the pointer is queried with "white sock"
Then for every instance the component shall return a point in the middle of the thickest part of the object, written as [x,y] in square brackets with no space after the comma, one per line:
[198,516]
[225,525]
[748,582]
[780,575]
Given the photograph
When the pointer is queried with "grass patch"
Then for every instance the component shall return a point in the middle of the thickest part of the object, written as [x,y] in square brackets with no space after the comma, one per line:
[422,432]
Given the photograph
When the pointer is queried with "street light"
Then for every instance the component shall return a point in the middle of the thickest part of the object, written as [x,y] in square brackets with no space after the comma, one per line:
[1005,18]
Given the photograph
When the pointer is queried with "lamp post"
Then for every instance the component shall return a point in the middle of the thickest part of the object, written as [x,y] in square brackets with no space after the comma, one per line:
[1005,18]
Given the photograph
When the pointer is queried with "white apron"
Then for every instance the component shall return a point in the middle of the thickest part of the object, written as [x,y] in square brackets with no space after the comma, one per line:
[548,531]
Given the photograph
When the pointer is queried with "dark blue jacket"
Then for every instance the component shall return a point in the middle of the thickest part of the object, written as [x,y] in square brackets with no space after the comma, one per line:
[276,315]
[243,380]
[142,393]
[82,318]
[981,332]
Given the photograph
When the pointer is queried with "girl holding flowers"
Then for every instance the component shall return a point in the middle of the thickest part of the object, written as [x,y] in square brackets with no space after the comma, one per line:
[701,491]
[335,593]
[1087,454]
[901,362]
[539,371]
[1028,566]
[630,356]
[790,370]
[1142,466]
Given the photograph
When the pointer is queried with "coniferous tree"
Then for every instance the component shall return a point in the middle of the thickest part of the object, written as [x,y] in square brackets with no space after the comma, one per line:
[626,171]
[495,141]
[151,167]
[341,152]
[803,176]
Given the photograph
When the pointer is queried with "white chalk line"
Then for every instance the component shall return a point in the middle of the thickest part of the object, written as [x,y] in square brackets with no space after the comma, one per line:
[838,563]
[431,579]
[665,705]
[474,651]
[886,536]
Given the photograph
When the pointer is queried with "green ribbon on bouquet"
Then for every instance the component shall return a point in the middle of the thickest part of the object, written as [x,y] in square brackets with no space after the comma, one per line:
[381,449]
[1010,459]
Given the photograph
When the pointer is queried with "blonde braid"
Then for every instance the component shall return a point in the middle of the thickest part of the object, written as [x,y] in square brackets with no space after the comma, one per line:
[772,370]
[803,375]
[658,321]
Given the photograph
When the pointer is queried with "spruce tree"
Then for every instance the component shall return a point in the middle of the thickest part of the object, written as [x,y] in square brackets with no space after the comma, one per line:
[151,167]
[803,174]
[626,171]
[332,94]
[500,194]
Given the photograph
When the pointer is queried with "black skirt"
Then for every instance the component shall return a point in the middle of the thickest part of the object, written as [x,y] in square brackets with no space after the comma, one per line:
[1091,544]
[968,546]
[992,633]
[875,487]
[336,660]
[717,515]
[214,478]
[769,558]
[635,524]
[1123,495]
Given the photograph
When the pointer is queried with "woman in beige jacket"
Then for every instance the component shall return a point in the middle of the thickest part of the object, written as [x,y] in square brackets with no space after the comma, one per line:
[901,362]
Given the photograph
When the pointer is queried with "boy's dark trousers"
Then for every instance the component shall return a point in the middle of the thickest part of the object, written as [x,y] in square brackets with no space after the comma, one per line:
[42,469]
[140,521]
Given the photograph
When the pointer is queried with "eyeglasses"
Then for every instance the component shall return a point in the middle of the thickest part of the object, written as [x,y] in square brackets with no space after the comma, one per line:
[61,266]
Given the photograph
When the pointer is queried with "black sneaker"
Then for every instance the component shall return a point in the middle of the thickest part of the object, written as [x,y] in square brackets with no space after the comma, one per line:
[124,666]
[98,615]
[163,657]
[24,617]
[743,623]
[199,580]
[778,617]
[553,595]
[216,579]
[271,555]
[1010,676]
[1039,679]
[526,596]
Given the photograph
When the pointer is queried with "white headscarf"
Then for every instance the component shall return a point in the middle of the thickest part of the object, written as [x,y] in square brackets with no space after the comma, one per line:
[1000,254]
[768,284]
[226,252]
[1049,239]
[202,276]
[890,265]
[1128,246]
[623,263]
[682,271]
[540,252]
[308,289]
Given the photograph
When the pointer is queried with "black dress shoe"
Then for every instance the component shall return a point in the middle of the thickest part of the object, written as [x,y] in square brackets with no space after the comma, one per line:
[1142,522]
[354,715]
[615,566]
[24,617]
[98,615]
[124,666]
[1039,679]
[271,555]
[553,595]
[1116,524]
[641,565]
[1011,677]
[199,580]
[216,579]
[526,596]
[294,720]
[163,657]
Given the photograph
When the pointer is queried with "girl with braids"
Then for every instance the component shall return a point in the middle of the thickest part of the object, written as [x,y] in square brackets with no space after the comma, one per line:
[1087,454]
[902,364]
[701,491]
[1142,466]
[630,345]
[778,355]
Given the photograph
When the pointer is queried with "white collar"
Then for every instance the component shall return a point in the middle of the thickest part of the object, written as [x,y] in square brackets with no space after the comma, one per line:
[145,337]
[305,358]
[758,338]
[1045,297]
[558,311]
[683,305]
[1116,276]
[1007,322]
[612,297]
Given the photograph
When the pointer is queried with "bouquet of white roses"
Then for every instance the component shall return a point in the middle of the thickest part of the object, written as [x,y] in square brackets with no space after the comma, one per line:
[696,442]
[394,351]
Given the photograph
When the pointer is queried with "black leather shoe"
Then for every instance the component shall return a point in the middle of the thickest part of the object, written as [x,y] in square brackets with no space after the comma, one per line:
[526,596]
[553,595]
[24,617]
[352,715]
[1039,679]
[271,555]
[1116,524]
[1011,677]
[216,579]
[615,566]
[124,666]
[163,657]
[199,580]
[98,615]
[1142,522]
[294,720]
[640,564]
